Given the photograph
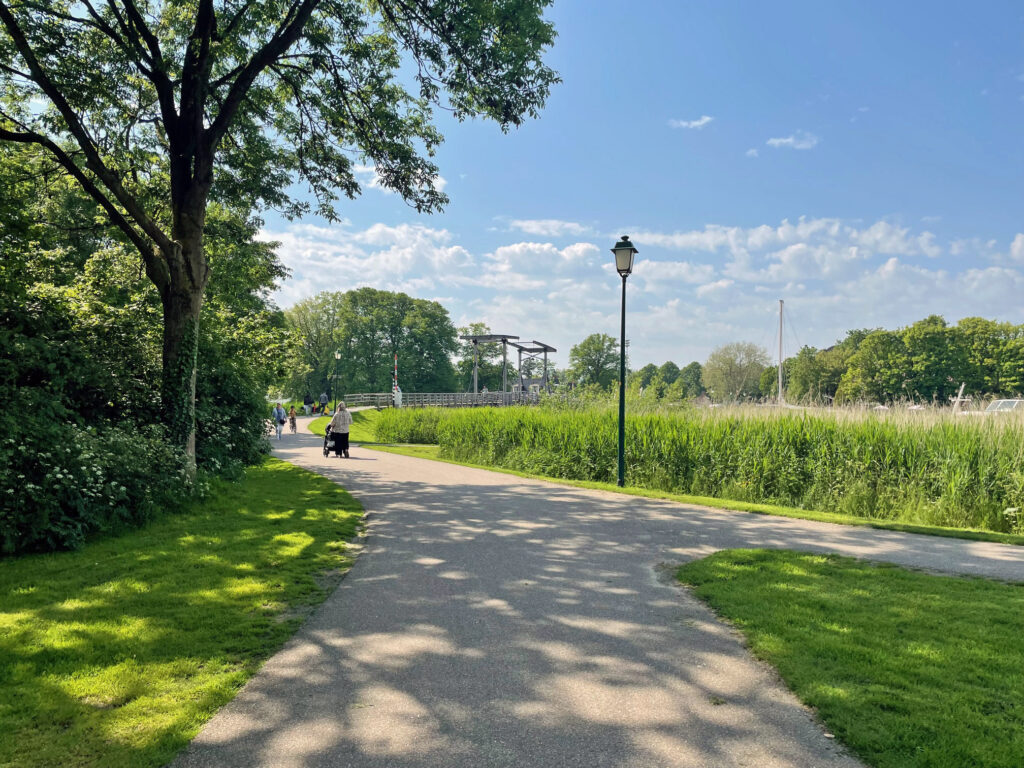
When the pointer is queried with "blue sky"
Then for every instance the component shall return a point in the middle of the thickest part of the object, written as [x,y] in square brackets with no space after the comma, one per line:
[863,161]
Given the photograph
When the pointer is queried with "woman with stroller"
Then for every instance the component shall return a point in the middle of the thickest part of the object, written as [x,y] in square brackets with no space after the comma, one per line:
[339,429]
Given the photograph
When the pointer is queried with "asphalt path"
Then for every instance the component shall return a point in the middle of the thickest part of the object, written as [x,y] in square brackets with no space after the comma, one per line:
[497,621]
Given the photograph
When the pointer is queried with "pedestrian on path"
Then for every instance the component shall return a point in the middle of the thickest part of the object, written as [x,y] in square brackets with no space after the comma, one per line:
[279,416]
[339,429]
[291,419]
[323,402]
[307,403]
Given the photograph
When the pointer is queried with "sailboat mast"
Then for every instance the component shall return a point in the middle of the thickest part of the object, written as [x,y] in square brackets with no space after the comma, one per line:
[780,351]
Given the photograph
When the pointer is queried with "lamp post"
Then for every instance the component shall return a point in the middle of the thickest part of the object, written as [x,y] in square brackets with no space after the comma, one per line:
[624,253]
[337,357]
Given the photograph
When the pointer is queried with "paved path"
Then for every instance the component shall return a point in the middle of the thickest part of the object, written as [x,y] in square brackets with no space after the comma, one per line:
[496,621]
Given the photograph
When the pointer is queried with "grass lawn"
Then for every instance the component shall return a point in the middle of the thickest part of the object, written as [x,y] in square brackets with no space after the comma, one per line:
[433,452]
[909,670]
[362,429]
[116,654]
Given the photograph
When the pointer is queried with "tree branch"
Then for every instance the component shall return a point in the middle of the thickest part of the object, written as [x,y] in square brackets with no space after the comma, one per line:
[155,266]
[81,135]
[233,24]
[156,70]
[284,37]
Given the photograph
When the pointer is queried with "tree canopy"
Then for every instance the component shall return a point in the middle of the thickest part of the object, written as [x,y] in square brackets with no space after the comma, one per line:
[926,361]
[80,336]
[155,109]
[733,371]
[595,360]
[368,328]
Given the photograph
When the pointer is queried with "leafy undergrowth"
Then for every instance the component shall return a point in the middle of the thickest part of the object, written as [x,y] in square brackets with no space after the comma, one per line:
[433,452]
[116,654]
[907,669]
[363,429]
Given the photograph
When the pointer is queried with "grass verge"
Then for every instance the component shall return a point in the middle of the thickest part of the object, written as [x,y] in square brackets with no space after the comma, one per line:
[116,654]
[909,670]
[432,452]
[362,430]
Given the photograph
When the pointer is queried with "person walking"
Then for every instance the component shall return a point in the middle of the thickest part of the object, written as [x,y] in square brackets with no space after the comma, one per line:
[291,419]
[279,416]
[307,403]
[339,429]
[323,403]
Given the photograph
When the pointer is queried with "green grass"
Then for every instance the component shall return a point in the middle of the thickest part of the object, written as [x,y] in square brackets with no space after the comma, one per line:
[433,453]
[116,654]
[909,670]
[904,467]
[363,429]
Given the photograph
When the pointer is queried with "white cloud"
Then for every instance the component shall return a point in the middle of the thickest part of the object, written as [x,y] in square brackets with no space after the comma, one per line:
[797,140]
[974,247]
[1017,248]
[699,123]
[578,251]
[882,237]
[399,258]
[526,266]
[550,227]
[367,176]
[752,152]
[667,275]
[692,290]
[718,285]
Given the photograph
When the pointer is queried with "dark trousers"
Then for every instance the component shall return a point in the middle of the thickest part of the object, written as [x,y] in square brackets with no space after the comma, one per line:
[340,442]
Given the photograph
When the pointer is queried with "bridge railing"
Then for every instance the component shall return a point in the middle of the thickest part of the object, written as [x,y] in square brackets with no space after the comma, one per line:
[375,399]
[467,399]
[441,399]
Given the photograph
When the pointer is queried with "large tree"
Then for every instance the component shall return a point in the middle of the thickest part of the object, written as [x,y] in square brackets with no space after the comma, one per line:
[937,358]
[595,360]
[155,108]
[315,325]
[367,328]
[689,381]
[878,371]
[733,371]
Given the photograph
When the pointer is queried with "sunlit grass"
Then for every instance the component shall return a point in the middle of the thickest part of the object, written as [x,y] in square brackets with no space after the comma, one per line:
[909,670]
[363,429]
[116,654]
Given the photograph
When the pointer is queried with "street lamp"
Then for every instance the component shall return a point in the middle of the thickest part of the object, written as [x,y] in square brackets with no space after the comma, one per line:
[337,357]
[624,253]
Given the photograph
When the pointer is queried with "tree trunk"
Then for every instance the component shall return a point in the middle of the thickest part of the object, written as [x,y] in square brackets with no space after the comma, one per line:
[182,305]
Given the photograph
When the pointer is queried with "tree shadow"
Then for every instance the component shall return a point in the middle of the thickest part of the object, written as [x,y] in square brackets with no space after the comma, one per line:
[494,621]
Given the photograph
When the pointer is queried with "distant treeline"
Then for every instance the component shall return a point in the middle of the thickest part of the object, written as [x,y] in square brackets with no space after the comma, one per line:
[923,362]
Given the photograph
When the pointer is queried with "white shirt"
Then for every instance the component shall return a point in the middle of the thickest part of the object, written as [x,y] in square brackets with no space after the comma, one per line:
[340,422]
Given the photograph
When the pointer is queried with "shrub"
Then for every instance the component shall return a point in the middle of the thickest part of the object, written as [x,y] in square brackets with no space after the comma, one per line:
[64,483]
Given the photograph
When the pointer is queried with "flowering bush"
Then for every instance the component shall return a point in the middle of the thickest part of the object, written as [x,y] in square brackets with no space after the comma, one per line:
[63,483]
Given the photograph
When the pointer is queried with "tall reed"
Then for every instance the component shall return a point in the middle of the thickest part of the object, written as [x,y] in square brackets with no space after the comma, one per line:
[908,466]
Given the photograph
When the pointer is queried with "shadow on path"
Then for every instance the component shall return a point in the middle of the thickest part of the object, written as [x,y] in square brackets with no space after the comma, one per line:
[498,621]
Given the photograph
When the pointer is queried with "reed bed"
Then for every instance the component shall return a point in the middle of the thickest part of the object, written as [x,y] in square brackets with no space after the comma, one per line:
[911,466]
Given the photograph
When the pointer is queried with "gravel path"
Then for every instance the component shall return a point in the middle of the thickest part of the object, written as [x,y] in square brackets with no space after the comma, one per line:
[497,621]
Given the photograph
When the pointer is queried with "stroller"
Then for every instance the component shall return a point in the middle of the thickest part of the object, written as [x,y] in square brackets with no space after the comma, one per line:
[328,442]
